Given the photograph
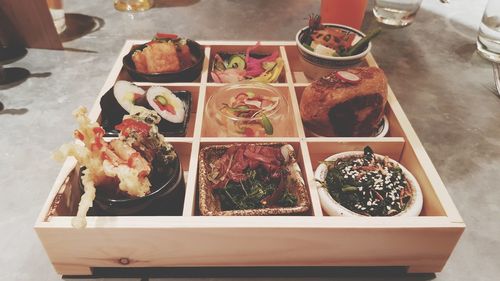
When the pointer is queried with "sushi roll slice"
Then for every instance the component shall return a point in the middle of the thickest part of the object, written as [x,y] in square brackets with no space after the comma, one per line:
[128,94]
[166,103]
[117,102]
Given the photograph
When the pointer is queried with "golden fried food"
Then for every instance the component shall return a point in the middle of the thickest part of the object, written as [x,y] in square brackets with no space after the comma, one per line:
[157,57]
[103,163]
[346,108]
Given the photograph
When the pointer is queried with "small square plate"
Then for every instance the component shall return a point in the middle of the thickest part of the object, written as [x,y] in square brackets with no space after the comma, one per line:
[112,115]
[210,204]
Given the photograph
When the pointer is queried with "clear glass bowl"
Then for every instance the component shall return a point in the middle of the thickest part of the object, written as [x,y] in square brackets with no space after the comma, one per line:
[247,110]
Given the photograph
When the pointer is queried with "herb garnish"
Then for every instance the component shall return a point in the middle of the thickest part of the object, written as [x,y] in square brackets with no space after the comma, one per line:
[252,192]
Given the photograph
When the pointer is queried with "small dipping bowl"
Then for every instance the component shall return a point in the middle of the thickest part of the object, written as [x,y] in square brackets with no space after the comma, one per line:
[166,196]
[188,74]
[222,124]
[334,208]
[316,65]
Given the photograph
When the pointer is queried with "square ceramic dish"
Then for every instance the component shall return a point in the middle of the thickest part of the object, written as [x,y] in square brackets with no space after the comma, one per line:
[210,204]
[109,119]
[418,244]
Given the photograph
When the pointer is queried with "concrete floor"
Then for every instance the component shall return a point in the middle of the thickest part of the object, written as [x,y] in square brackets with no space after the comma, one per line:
[443,86]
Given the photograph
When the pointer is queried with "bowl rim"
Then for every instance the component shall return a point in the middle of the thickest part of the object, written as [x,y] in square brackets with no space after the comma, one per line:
[331,58]
[104,199]
[247,85]
[142,46]
[334,208]
[383,132]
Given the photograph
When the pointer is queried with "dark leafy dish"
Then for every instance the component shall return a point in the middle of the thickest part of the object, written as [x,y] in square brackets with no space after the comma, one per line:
[368,185]
[251,179]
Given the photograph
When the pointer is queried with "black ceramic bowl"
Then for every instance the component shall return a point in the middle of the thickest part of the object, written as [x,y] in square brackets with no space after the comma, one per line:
[166,196]
[185,75]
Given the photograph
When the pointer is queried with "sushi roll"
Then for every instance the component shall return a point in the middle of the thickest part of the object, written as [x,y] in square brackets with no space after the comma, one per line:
[118,101]
[128,94]
[166,103]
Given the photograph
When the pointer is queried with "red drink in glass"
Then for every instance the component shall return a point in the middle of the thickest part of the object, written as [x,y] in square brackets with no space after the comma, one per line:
[346,12]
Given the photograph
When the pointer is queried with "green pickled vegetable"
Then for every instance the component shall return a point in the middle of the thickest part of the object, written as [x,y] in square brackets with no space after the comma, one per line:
[266,123]
[308,47]
[237,61]
[356,48]
[162,100]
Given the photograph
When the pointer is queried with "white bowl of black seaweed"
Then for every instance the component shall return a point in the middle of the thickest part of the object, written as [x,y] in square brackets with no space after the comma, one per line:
[362,183]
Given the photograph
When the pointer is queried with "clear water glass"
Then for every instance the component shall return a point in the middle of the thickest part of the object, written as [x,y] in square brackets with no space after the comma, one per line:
[57,13]
[488,39]
[397,13]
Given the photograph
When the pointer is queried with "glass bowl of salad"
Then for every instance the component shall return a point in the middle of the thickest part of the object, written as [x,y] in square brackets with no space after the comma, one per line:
[247,110]
[362,183]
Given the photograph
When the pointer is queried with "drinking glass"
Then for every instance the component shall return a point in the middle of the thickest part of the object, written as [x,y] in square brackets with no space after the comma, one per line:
[133,5]
[57,13]
[488,38]
[344,12]
[396,12]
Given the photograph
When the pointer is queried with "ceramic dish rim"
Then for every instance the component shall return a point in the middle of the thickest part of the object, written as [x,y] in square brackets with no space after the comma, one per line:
[334,208]
[332,58]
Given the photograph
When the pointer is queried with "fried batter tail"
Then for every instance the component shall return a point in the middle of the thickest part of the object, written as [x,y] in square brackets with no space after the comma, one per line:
[86,201]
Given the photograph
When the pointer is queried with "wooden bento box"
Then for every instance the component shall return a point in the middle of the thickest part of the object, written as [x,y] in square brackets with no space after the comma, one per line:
[421,244]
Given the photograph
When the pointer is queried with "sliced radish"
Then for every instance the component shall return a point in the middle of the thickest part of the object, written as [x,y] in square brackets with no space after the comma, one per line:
[137,96]
[256,103]
[248,132]
[241,95]
[348,77]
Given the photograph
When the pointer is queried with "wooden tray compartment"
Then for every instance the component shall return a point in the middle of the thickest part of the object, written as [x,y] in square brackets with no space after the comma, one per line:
[241,49]
[395,129]
[421,244]
[298,153]
[395,148]
[65,203]
[194,104]
[124,75]
[296,68]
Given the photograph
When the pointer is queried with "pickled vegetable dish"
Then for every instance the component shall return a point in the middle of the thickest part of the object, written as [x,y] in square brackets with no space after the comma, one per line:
[332,41]
[231,68]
